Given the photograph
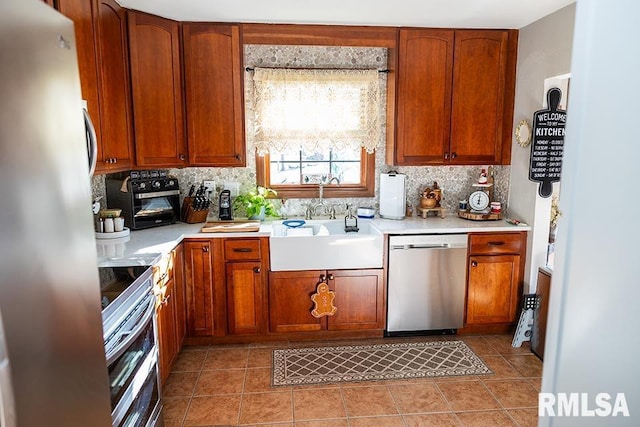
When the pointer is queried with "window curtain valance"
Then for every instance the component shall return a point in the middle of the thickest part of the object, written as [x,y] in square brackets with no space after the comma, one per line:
[316,109]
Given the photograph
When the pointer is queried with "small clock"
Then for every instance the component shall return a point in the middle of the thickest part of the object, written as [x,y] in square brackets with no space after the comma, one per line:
[479,200]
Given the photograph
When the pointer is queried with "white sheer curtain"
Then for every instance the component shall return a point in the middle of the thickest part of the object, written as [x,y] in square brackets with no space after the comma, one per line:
[316,109]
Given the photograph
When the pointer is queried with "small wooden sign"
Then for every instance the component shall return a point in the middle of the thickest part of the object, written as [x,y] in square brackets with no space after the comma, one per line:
[547,144]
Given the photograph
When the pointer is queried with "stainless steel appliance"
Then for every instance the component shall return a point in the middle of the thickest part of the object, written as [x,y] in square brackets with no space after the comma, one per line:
[147,198]
[393,195]
[131,345]
[49,288]
[426,283]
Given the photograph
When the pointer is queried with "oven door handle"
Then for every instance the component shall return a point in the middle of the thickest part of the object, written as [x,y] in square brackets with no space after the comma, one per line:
[145,313]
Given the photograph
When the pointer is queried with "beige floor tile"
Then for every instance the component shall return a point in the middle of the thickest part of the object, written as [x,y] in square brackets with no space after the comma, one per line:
[226,381]
[174,410]
[317,404]
[514,393]
[260,358]
[418,398]
[526,365]
[231,358]
[213,410]
[266,408]
[390,421]
[536,383]
[485,419]
[180,384]
[468,396]
[500,368]
[431,420]
[367,401]
[525,417]
[258,380]
[480,346]
[189,361]
[502,343]
[323,423]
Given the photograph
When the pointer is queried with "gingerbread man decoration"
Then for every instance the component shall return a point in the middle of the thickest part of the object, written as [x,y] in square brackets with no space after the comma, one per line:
[323,301]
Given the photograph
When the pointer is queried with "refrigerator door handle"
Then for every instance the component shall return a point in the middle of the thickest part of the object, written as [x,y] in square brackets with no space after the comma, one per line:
[92,142]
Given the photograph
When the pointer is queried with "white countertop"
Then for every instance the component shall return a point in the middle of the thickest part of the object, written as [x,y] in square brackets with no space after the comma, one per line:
[145,247]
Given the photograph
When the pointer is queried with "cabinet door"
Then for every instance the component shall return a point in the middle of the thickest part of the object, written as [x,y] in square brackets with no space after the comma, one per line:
[166,313]
[179,295]
[290,302]
[244,297]
[214,94]
[115,152]
[493,285]
[154,46]
[82,15]
[201,299]
[424,96]
[478,107]
[359,300]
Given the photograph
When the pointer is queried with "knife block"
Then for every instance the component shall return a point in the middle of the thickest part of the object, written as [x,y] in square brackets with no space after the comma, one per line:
[190,215]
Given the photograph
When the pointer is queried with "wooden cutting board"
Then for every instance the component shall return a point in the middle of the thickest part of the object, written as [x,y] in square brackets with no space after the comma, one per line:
[230,226]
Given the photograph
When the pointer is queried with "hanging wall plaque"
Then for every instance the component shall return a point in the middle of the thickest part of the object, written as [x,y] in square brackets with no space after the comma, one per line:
[548,143]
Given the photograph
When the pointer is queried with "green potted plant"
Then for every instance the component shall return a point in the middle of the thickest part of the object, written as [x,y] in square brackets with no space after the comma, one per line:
[256,203]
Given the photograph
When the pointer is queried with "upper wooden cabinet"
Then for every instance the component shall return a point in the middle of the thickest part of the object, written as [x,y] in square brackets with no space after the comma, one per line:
[102,48]
[115,150]
[213,78]
[81,13]
[455,92]
[154,45]
[483,93]
[424,96]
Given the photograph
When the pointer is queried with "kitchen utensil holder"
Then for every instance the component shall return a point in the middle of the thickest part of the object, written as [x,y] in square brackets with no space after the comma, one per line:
[190,215]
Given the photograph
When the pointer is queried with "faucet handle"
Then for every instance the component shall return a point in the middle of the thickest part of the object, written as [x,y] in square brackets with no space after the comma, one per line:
[332,212]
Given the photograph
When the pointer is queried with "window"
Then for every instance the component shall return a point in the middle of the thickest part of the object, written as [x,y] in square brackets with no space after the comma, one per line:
[314,125]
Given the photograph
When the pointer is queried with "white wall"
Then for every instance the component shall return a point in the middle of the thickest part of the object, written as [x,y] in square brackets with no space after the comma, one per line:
[544,50]
[592,337]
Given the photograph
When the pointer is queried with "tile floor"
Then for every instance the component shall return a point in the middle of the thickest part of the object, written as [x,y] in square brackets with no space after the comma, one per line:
[230,385]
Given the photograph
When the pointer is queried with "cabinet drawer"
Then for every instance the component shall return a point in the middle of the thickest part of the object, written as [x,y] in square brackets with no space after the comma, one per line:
[242,249]
[503,243]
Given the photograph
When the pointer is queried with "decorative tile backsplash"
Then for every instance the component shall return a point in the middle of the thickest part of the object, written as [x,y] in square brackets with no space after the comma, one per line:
[455,181]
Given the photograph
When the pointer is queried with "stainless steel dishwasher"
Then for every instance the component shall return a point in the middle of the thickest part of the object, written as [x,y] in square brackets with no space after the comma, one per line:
[426,283]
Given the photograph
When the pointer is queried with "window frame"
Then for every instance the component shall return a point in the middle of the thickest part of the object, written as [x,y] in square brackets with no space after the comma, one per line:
[322,35]
[366,188]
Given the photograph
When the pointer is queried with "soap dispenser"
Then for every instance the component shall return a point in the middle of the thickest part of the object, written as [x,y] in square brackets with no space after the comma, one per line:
[350,222]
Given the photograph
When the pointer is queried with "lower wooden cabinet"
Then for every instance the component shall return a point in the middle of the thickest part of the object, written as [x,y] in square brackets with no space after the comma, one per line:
[246,263]
[495,273]
[359,299]
[226,281]
[169,289]
[205,304]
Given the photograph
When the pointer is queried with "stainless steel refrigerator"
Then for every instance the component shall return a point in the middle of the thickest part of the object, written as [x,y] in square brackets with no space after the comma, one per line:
[52,370]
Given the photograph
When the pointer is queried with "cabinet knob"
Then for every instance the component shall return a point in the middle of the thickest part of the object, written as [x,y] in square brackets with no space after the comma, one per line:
[322,277]
[454,155]
[330,277]
[205,249]
[474,264]
[446,156]
[237,156]
[182,157]
[256,270]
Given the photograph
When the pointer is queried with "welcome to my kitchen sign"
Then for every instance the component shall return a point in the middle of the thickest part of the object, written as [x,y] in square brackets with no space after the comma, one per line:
[548,143]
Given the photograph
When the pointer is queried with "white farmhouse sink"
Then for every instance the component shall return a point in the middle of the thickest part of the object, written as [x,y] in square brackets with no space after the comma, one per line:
[324,244]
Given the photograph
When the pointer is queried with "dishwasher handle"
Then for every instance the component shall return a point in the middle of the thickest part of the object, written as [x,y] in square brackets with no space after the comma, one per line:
[422,246]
